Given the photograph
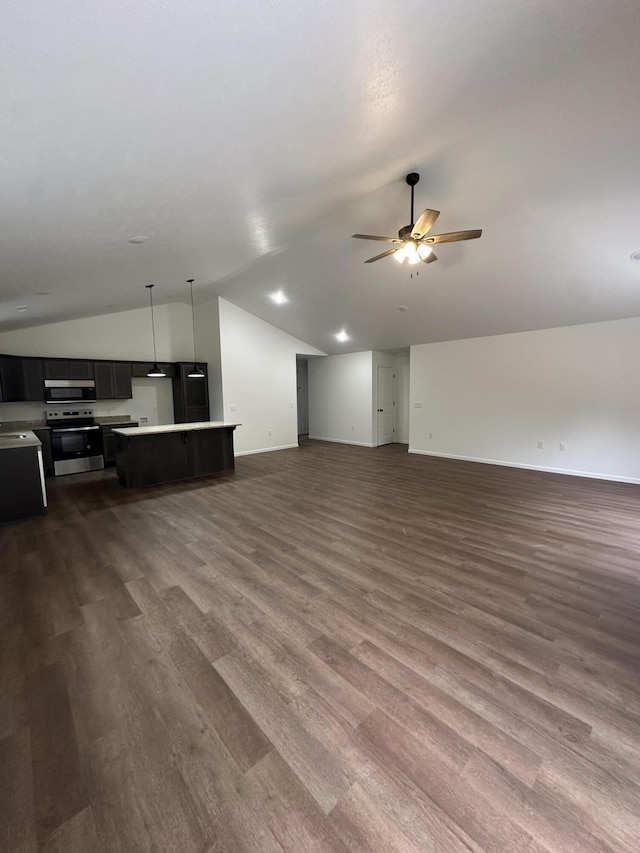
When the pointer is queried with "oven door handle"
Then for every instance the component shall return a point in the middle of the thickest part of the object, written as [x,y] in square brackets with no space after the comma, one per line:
[73,429]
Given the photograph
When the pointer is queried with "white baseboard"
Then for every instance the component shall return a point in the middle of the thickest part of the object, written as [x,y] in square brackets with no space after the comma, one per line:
[589,474]
[340,441]
[265,449]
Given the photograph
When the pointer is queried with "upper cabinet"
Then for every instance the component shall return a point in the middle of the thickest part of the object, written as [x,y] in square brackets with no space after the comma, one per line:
[67,368]
[21,379]
[190,396]
[10,378]
[113,380]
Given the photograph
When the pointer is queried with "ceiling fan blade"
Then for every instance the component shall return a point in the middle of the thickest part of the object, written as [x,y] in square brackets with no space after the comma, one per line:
[425,223]
[453,236]
[432,257]
[383,255]
[371,237]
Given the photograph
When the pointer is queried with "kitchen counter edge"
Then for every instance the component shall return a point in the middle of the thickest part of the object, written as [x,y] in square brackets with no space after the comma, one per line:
[163,428]
[31,440]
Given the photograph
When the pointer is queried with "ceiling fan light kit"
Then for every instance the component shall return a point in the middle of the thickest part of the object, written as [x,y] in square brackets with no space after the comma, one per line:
[412,244]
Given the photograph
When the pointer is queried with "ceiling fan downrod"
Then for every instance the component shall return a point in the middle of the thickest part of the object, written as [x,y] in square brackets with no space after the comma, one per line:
[412,179]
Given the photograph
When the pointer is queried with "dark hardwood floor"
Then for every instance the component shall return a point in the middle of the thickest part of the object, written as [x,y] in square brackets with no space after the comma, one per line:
[333,649]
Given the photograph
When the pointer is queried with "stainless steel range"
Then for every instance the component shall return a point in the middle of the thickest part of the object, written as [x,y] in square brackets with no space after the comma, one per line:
[76,441]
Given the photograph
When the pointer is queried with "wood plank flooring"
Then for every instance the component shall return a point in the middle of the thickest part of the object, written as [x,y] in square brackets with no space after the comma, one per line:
[333,649]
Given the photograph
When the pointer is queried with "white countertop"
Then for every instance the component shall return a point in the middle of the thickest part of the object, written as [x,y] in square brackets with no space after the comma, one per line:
[9,440]
[155,430]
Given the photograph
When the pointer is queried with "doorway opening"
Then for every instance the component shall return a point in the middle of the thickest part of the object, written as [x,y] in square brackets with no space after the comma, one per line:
[302,386]
[386,410]
[391,396]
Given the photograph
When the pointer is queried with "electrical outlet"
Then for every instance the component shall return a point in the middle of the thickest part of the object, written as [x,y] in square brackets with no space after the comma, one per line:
[291,405]
[541,445]
[417,405]
[430,435]
[563,446]
[232,407]
[144,420]
[268,432]
[353,426]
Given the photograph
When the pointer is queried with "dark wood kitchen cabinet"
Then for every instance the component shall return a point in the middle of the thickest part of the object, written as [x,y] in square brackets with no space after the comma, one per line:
[32,379]
[168,455]
[21,492]
[207,456]
[21,379]
[10,378]
[113,380]
[190,396]
[68,368]
[150,459]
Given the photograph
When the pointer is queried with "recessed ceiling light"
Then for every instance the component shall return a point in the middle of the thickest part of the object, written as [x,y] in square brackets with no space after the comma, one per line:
[635,256]
[137,240]
[403,308]
[21,308]
[44,292]
[279,298]
[342,336]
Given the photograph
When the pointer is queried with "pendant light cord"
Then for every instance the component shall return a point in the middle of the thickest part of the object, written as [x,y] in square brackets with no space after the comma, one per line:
[153,325]
[193,323]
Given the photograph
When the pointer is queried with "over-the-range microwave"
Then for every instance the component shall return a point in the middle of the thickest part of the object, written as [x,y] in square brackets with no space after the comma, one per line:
[69,390]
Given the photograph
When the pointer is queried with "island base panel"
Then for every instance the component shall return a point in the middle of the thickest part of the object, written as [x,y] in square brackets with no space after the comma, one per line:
[146,460]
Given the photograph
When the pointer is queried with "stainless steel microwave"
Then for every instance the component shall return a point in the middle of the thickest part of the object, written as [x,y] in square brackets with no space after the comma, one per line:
[69,390]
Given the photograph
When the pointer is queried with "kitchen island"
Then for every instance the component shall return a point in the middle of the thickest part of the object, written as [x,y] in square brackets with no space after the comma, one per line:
[148,455]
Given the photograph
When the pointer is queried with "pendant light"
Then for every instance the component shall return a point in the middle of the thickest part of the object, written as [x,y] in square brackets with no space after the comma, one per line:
[155,372]
[195,372]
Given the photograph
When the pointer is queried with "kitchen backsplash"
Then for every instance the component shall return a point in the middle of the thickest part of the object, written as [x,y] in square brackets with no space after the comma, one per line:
[152,399]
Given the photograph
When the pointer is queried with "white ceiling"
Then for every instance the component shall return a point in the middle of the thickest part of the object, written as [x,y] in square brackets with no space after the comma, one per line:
[250,139]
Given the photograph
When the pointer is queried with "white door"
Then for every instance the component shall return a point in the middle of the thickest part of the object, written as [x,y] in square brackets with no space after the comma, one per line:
[386,405]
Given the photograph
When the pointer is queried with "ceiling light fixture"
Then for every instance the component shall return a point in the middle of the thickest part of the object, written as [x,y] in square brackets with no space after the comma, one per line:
[342,336]
[155,372]
[195,372]
[21,308]
[137,240]
[279,298]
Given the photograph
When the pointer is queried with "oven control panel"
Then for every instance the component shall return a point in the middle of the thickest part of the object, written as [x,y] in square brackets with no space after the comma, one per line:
[69,414]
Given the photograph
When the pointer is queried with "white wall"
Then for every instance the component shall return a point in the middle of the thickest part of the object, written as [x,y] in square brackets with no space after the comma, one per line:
[125,335]
[207,323]
[258,365]
[341,398]
[402,397]
[492,399]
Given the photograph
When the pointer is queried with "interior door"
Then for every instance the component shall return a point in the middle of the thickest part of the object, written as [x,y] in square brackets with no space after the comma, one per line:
[386,405]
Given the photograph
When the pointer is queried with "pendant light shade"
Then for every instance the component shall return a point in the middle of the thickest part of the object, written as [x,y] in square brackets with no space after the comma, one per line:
[195,372]
[155,372]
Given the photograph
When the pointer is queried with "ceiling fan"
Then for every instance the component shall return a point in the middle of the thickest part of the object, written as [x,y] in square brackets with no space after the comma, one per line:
[412,244]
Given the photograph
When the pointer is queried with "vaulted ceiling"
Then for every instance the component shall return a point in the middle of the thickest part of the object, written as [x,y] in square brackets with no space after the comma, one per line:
[249,140]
